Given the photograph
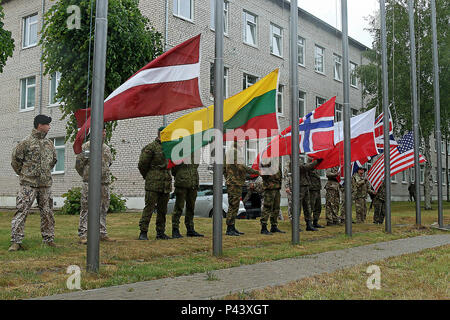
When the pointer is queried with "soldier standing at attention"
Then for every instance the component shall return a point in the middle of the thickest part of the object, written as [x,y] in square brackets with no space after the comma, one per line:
[272,177]
[287,174]
[32,160]
[332,197]
[186,186]
[315,198]
[158,184]
[378,203]
[235,172]
[82,167]
[360,189]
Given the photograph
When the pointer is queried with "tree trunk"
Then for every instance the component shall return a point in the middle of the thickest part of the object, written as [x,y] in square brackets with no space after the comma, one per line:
[428,178]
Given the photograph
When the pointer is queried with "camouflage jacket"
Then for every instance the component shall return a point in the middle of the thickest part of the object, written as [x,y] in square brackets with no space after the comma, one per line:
[381,193]
[360,187]
[332,183]
[153,168]
[82,163]
[273,181]
[236,173]
[186,176]
[33,159]
[314,179]
[304,173]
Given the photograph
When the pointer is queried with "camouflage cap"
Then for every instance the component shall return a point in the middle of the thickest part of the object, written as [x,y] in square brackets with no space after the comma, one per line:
[41,119]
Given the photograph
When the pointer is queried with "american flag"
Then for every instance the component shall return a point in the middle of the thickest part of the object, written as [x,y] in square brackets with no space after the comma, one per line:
[402,158]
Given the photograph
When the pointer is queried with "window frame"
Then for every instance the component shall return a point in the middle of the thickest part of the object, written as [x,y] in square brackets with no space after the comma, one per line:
[299,99]
[246,76]
[177,13]
[26,31]
[248,150]
[59,147]
[352,73]
[255,26]
[339,112]
[303,47]
[337,60]
[317,101]
[226,10]
[273,37]
[226,71]
[280,96]
[57,79]
[322,55]
[26,94]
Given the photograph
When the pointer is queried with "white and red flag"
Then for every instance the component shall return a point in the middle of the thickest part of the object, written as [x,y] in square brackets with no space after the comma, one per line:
[167,84]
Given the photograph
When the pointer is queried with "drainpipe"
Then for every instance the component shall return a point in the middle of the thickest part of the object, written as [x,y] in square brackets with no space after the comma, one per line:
[41,71]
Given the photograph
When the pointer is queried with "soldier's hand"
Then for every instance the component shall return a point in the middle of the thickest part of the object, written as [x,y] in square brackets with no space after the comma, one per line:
[288,190]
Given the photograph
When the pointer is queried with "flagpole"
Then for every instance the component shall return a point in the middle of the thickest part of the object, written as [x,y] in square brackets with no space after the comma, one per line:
[437,112]
[386,122]
[347,135]
[218,126]
[295,170]
[415,109]
[95,158]
[166,42]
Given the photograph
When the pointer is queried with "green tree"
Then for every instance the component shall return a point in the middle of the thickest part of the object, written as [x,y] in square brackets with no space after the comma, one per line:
[399,72]
[6,42]
[132,43]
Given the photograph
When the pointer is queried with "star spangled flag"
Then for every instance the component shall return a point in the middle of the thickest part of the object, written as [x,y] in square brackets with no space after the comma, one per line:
[379,132]
[167,84]
[402,158]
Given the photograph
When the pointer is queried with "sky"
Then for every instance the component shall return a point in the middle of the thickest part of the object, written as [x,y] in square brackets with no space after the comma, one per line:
[330,12]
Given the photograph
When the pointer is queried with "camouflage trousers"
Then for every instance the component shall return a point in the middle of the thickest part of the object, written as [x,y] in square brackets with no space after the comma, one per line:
[104,206]
[361,210]
[332,206]
[271,208]
[24,201]
[305,203]
[184,196]
[234,197]
[379,211]
[342,207]
[154,200]
[316,203]
[289,198]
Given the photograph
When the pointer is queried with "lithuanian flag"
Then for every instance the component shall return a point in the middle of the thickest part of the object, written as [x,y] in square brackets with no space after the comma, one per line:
[253,111]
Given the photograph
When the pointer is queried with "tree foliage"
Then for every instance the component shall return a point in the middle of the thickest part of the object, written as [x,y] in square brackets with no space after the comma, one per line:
[132,43]
[6,42]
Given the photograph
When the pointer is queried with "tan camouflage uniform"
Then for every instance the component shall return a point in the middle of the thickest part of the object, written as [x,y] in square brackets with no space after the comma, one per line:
[287,174]
[272,184]
[360,189]
[332,196]
[32,160]
[378,203]
[82,167]
[314,194]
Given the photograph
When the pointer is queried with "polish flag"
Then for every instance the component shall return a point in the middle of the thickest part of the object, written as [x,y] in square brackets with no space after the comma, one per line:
[167,84]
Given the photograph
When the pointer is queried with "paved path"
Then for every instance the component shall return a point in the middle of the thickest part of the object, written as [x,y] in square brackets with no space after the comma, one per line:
[261,275]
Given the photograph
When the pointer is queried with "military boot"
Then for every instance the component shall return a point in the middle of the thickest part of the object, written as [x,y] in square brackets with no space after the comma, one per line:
[237,231]
[275,229]
[15,247]
[317,225]
[231,232]
[264,230]
[162,236]
[193,233]
[176,233]
[143,236]
[309,227]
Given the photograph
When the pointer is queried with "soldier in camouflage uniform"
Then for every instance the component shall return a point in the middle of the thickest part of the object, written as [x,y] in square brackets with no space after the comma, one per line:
[272,177]
[82,167]
[287,185]
[186,186]
[378,203]
[32,160]
[158,184]
[235,172]
[360,189]
[332,197]
[315,198]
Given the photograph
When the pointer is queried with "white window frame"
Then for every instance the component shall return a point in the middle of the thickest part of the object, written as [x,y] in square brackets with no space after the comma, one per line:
[280,100]
[276,38]
[248,150]
[319,103]
[177,11]
[404,180]
[412,175]
[226,17]
[394,178]
[247,83]
[319,56]
[27,31]
[339,112]
[301,100]
[59,147]
[337,67]
[54,80]
[252,25]
[27,87]
[353,76]
[301,48]
[225,83]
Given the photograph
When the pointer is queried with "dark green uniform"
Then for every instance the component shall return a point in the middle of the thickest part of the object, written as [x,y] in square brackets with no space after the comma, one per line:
[158,184]
[272,196]
[304,189]
[378,203]
[314,194]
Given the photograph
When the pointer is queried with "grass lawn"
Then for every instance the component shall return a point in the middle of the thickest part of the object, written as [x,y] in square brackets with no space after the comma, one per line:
[41,271]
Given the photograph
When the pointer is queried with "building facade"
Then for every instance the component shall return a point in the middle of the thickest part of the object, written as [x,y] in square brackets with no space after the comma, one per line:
[256,42]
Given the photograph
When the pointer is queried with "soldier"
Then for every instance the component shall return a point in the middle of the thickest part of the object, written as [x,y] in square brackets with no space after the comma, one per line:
[315,198]
[378,203]
[235,173]
[158,184]
[32,160]
[287,174]
[186,186]
[360,189]
[412,192]
[332,197]
[82,167]
[272,177]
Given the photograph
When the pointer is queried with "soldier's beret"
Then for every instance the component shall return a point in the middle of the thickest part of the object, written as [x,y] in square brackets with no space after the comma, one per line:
[41,119]
[362,168]
[161,128]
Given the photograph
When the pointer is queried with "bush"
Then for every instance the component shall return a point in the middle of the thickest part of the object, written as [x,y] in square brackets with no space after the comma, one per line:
[72,202]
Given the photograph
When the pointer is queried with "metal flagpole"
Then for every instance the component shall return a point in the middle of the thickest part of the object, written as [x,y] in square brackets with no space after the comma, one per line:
[386,124]
[166,42]
[218,126]
[347,135]
[415,108]
[295,170]
[95,161]
[437,112]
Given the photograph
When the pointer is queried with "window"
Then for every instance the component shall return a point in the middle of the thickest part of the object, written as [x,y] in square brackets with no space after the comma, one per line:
[27,93]
[421,175]
[251,151]
[212,81]
[320,101]
[301,104]
[184,9]
[337,67]
[276,36]
[442,146]
[248,80]
[60,155]
[30,31]
[225,15]
[353,77]
[394,178]
[54,82]
[280,100]
[404,176]
[250,25]
[339,110]
[301,51]
[354,112]
[319,62]
[412,174]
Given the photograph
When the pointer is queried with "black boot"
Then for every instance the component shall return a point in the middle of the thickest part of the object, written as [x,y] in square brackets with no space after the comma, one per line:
[264,229]
[237,231]
[231,232]
[317,225]
[309,226]
[193,233]
[275,229]
[162,236]
[143,236]
[176,233]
